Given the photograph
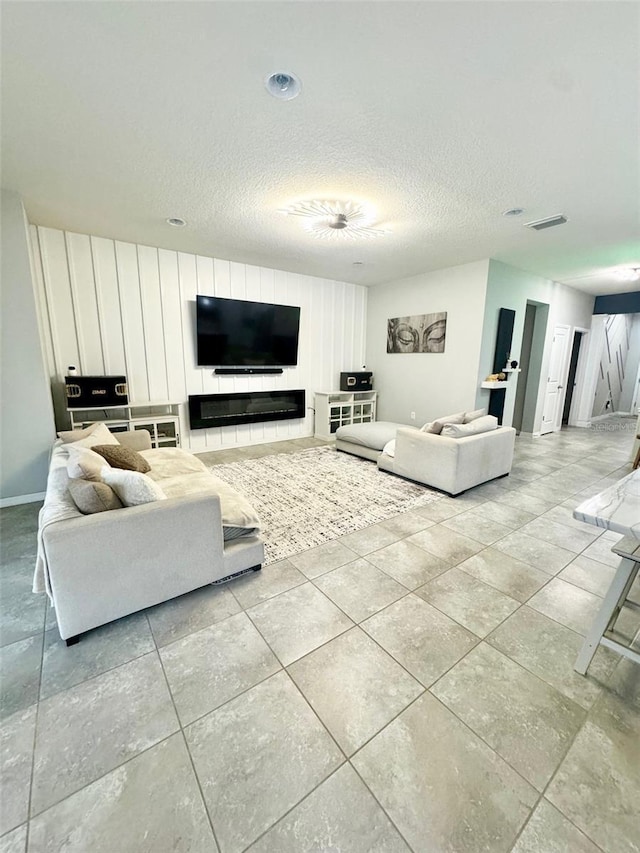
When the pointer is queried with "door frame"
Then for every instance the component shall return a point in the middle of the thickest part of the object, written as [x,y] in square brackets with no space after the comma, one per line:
[581,374]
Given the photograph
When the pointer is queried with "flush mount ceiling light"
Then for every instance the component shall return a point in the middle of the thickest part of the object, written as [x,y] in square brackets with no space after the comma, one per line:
[283,85]
[176,222]
[513,211]
[627,274]
[335,219]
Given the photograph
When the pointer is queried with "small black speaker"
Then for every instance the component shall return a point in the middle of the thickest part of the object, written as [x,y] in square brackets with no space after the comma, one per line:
[96,392]
[362,381]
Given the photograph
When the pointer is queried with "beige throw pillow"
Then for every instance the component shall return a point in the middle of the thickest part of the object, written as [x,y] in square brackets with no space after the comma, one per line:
[435,427]
[473,416]
[92,497]
[84,464]
[89,437]
[480,425]
[119,456]
[132,487]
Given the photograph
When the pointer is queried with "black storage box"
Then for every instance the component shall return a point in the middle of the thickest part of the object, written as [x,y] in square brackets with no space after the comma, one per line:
[96,392]
[356,381]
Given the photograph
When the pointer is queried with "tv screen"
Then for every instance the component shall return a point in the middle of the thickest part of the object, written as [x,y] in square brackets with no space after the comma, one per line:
[237,333]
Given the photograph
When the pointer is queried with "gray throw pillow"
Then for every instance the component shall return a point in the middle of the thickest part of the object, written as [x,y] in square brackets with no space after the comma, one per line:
[488,423]
[435,427]
[90,496]
[473,416]
[122,457]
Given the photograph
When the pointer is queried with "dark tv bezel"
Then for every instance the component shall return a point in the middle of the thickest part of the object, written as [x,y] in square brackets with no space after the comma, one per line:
[245,366]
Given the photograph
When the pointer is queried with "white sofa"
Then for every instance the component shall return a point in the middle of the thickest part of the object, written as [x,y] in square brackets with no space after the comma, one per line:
[451,465]
[100,567]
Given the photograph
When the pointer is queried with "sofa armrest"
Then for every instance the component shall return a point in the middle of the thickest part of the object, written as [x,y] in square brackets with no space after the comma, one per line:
[453,464]
[105,565]
[135,439]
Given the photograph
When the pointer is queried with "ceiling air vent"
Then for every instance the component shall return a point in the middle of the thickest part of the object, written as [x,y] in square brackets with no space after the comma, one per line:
[550,222]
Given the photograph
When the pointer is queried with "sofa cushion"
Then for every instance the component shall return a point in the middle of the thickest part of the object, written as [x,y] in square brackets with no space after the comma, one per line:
[92,497]
[374,435]
[84,463]
[132,487]
[473,416]
[119,456]
[236,510]
[390,448]
[479,425]
[171,461]
[435,427]
[95,434]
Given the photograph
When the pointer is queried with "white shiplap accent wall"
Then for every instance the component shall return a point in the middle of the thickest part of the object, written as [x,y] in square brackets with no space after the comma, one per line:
[113,307]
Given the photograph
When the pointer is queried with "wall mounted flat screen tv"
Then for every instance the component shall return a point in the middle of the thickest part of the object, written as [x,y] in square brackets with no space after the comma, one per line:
[238,333]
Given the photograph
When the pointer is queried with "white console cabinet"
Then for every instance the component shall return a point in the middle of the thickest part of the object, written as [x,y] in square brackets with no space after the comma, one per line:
[340,408]
[161,418]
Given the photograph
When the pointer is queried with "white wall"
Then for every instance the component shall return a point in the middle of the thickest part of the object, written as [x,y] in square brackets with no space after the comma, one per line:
[113,307]
[26,419]
[508,287]
[429,384]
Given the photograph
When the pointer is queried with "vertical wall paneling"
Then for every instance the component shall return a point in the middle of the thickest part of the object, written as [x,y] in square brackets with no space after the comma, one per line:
[153,320]
[132,309]
[132,325]
[86,304]
[173,344]
[108,295]
[188,284]
[59,300]
[42,310]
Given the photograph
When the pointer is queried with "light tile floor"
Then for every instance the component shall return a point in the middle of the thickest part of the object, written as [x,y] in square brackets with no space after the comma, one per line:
[409,687]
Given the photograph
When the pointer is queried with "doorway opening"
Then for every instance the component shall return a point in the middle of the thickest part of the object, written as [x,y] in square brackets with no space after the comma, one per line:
[531,352]
[578,338]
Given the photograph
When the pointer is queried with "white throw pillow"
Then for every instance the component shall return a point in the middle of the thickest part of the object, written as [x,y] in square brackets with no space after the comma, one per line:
[473,416]
[132,487]
[480,425]
[85,464]
[390,448]
[435,427]
[99,434]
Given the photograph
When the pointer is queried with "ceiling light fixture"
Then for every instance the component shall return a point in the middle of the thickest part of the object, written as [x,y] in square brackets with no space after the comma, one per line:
[176,222]
[336,219]
[627,273]
[283,85]
[513,211]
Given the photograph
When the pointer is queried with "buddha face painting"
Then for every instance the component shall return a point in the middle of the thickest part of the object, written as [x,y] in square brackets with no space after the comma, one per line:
[419,333]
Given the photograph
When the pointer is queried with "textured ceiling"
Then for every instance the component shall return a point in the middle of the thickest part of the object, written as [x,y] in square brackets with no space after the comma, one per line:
[440,114]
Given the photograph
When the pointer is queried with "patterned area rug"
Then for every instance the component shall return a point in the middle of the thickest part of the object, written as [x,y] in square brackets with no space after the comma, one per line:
[311,497]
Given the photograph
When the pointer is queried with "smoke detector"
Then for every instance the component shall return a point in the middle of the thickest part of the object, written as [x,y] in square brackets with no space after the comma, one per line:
[549,222]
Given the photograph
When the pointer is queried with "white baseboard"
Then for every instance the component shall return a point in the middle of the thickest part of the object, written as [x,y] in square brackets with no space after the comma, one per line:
[22,499]
[582,424]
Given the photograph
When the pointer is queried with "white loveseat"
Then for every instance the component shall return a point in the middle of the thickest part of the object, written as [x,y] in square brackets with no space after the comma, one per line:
[100,567]
[449,464]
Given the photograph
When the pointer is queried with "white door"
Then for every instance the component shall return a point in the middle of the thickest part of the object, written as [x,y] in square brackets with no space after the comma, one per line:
[555,391]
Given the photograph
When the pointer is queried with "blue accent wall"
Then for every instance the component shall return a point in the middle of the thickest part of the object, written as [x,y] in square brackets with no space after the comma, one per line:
[618,303]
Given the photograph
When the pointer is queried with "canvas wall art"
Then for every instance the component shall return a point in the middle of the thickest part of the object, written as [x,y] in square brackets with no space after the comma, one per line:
[419,333]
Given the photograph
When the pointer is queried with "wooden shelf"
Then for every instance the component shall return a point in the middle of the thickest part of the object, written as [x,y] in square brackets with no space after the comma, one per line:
[340,408]
[163,426]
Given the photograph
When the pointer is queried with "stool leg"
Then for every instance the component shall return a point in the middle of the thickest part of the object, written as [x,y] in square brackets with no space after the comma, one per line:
[612,601]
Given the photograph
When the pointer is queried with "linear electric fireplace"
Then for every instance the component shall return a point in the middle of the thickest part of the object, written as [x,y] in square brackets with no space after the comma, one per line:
[214,410]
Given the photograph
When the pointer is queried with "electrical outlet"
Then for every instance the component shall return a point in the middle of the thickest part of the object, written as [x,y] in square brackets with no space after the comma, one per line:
[413,416]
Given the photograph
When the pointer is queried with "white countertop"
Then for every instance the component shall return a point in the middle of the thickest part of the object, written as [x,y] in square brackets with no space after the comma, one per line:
[617,508]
